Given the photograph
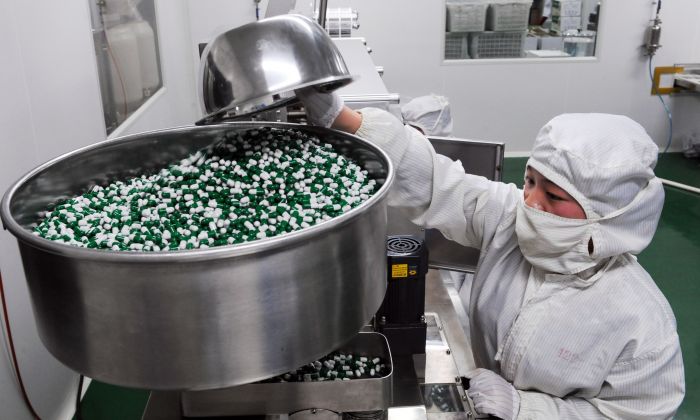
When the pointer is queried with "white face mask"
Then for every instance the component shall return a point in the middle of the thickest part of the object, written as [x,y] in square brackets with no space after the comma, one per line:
[560,245]
[553,243]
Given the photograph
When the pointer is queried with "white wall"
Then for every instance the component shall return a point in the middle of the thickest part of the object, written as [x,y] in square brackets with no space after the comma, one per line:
[50,104]
[510,100]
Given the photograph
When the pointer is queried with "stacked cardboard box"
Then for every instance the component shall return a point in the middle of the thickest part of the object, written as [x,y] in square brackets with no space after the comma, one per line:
[566,15]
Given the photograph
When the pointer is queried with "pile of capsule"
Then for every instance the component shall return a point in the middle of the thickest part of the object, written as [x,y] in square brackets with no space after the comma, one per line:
[338,367]
[249,185]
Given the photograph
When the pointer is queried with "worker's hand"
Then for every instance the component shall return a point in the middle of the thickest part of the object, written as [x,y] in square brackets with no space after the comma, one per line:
[321,108]
[493,395]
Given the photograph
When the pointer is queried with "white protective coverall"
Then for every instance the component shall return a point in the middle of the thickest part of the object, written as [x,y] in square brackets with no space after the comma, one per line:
[601,343]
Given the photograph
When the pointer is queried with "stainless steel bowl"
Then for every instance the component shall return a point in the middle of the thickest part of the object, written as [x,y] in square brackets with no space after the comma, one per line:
[259,65]
[197,319]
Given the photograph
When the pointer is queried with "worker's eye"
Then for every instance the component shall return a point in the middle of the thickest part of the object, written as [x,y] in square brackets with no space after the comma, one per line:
[554,197]
[529,181]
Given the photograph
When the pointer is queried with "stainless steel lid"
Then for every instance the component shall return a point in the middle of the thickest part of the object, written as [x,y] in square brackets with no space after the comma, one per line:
[257,66]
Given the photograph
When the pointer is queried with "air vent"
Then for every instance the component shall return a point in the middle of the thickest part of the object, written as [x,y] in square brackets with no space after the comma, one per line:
[402,244]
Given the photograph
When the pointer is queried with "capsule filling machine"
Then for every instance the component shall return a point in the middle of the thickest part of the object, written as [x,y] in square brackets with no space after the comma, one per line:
[427,346]
[422,317]
[426,382]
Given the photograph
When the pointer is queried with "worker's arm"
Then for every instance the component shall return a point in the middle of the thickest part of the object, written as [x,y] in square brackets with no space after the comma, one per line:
[348,120]
[432,190]
[650,386]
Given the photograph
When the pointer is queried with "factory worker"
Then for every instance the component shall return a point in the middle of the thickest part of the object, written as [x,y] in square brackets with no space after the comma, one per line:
[430,114]
[564,322]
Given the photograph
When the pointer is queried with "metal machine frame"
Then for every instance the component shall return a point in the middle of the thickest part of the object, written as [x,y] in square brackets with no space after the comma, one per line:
[478,157]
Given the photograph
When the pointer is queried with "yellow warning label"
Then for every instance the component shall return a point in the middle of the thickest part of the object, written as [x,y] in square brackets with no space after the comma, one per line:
[399,270]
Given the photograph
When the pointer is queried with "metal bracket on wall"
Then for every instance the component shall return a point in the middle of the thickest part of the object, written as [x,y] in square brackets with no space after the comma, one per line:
[689,79]
[658,71]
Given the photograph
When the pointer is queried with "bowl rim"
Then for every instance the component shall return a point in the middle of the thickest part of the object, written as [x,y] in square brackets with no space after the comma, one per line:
[193,255]
[343,80]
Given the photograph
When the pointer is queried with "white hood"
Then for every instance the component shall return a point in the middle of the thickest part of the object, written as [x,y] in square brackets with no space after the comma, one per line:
[606,162]
[431,113]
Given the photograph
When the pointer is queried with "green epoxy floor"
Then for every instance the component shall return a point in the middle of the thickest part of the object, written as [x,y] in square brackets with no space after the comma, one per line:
[110,402]
[672,259]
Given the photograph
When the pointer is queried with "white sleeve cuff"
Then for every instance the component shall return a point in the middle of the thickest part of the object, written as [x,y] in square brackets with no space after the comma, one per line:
[535,406]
